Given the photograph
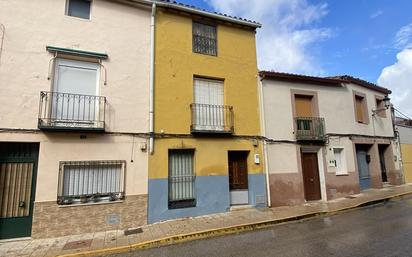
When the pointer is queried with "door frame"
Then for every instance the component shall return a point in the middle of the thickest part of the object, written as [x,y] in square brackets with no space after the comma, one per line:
[319,150]
[31,159]
[367,147]
[244,192]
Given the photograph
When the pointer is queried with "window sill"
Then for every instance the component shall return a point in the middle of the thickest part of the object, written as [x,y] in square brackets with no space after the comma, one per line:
[89,204]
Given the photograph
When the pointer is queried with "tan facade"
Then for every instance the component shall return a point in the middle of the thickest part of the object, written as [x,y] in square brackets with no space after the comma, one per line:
[344,137]
[120,31]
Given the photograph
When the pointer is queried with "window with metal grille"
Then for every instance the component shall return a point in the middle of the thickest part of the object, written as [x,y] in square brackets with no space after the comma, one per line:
[181,179]
[204,39]
[78,8]
[91,181]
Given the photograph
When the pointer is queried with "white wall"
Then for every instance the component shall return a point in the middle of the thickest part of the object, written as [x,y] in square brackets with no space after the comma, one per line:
[405,134]
[335,105]
[122,31]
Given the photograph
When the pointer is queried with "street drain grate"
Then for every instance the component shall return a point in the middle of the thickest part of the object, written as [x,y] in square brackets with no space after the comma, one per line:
[350,197]
[77,244]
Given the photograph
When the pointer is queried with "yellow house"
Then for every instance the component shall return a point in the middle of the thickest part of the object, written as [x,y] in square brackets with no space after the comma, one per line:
[207,155]
[404,128]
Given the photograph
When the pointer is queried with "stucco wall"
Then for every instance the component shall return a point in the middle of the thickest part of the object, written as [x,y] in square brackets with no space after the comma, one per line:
[176,65]
[335,105]
[122,31]
[405,134]
[56,147]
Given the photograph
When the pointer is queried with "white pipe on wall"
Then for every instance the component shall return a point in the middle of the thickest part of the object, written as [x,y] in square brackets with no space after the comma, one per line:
[263,129]
[152,70]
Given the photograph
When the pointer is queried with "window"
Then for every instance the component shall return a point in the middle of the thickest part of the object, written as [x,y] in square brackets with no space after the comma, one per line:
[361,111]
[75,91]
[340,161]
[209,104]
[204,39]
[181,179]
[91,181]
[380,107]
[78,8]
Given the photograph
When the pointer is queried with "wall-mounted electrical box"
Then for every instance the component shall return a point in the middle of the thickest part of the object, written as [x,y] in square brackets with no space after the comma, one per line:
[257,159]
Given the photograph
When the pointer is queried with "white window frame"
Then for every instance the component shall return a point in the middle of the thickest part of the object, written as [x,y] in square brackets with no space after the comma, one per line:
[342,170]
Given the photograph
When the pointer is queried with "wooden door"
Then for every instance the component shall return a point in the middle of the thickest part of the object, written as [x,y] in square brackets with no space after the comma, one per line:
[238,170]
[311,180]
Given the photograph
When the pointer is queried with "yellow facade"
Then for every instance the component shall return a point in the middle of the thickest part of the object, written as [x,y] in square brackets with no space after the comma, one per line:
[176,66]
[407,162]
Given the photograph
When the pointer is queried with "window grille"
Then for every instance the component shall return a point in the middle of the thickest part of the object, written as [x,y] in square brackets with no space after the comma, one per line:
[91,181]
[181,179]
[204,39]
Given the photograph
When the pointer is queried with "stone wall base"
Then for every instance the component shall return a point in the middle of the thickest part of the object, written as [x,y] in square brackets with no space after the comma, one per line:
[52,220]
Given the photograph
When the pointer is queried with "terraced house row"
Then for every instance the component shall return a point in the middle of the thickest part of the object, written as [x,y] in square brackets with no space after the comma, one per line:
[116,114]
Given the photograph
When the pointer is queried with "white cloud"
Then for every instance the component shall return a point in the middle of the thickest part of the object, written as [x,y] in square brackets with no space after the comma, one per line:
[288,31]
[376,14]
[403,38]
[397,77]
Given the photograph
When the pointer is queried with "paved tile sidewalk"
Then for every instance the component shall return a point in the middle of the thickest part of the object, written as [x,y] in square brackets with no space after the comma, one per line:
[110,239]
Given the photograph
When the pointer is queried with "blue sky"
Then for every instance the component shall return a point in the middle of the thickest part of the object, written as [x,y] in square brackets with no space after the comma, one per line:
[369,39]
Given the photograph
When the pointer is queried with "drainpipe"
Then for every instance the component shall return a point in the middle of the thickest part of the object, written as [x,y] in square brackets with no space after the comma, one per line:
[263,129]
[151,86]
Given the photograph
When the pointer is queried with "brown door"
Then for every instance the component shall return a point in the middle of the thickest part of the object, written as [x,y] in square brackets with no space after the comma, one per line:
[303,105]
[310,172]
[238,170]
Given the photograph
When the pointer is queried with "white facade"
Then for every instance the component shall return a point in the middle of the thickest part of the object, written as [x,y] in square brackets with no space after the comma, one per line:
[334,103]
[117,29]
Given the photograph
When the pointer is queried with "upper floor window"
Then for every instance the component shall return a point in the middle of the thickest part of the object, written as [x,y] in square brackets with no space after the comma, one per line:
[204,39]
[380,107]
[361,110]
[78,8]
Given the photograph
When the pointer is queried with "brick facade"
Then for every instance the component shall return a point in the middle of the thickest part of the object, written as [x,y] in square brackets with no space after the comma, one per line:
[51,220]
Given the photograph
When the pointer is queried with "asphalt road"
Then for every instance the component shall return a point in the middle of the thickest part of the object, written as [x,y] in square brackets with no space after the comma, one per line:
[381,230]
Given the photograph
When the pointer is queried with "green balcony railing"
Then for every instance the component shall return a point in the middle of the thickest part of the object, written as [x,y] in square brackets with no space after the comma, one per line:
[310,129]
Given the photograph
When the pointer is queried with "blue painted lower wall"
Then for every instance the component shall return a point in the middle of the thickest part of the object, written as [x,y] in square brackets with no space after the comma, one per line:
[212,196]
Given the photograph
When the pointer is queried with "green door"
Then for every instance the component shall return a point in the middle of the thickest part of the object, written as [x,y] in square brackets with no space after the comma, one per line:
[18,170]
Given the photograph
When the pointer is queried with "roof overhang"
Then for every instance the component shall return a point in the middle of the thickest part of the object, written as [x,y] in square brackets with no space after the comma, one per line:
[279,76]
[193,10]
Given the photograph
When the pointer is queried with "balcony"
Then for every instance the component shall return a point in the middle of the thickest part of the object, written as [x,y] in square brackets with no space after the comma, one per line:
[310,129]
[212,119]
[68,112]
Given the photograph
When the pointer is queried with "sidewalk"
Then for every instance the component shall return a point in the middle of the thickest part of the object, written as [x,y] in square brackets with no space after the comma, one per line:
[188,229]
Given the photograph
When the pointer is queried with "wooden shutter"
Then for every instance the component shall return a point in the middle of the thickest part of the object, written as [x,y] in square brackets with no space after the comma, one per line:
[303,106]
[359,109]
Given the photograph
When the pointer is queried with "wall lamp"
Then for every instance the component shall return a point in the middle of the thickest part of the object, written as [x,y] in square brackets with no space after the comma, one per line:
[386,103]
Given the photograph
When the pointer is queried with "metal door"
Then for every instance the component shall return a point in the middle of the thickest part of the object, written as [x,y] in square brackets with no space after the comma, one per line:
[311,181]
[363,169]
[18,170]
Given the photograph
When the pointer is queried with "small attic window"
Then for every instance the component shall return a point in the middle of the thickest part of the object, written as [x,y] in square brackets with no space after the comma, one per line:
[78,8]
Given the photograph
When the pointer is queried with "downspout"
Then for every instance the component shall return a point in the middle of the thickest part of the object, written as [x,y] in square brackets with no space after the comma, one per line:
[152,71]
[263,129]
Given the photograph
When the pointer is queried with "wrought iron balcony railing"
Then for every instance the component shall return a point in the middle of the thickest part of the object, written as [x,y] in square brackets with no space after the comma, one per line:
[310,129]
[64,111]
[217,119]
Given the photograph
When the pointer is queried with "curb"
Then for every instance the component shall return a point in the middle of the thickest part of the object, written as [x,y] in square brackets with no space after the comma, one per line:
[224,231]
